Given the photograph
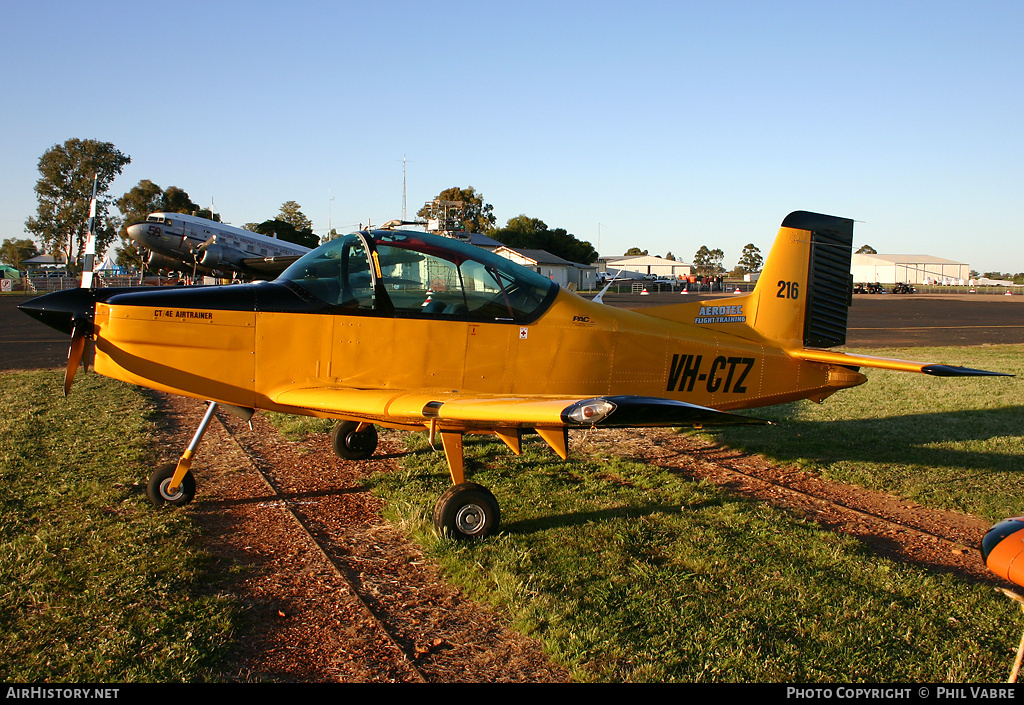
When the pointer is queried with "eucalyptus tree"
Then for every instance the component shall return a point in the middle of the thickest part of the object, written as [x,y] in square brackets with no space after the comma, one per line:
[533,233]
[64,191]
[750,260]
[477,215]
[708,262]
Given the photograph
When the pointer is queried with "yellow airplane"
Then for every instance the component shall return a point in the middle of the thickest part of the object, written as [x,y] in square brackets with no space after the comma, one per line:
[412,331]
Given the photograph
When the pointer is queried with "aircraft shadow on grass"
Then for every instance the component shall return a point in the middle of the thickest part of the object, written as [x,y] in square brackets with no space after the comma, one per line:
[916,439]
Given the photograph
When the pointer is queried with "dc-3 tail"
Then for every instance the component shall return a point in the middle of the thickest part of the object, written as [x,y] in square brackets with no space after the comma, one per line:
[801,299]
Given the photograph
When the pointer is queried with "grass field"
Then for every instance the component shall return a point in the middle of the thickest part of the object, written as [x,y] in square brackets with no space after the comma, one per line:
[97,585]
[626,572]
[950,443]
[629,572]
[632,573]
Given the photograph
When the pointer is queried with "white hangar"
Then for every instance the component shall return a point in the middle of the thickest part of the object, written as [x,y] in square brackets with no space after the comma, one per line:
[909,269]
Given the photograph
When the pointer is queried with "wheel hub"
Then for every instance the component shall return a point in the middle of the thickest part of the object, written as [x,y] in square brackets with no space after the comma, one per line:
[165,486]
[470,519]
[359,442]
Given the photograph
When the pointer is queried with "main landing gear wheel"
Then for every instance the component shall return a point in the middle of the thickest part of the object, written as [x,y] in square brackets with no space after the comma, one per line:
[467,511]
[160,480]
[351,444]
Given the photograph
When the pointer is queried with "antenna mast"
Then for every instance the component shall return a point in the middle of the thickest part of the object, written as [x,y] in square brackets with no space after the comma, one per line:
[330,202]
[403,188]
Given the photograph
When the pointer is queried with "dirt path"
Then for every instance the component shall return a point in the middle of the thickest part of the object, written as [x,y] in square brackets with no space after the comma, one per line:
[297,573]
[298,595]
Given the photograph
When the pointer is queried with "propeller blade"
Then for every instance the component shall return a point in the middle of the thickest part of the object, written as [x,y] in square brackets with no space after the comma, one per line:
[89,259]
[74,356]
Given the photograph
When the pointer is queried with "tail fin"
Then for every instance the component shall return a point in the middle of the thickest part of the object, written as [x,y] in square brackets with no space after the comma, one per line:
[805,289]
[803,293]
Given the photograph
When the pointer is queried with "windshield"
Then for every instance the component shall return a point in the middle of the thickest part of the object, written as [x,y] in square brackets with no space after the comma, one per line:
[418,274]
[337,273]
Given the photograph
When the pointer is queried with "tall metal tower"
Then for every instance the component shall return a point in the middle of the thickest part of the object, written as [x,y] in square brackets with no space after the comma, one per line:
[403,188]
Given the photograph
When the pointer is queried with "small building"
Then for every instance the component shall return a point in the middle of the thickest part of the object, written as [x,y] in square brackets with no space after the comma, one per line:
[568,274]
[44,261]
[484,241]
[639,267]
[908,269]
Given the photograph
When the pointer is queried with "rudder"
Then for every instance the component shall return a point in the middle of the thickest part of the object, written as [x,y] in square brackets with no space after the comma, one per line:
[804,292]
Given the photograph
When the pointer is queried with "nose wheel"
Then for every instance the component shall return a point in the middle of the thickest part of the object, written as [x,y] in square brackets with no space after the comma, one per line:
[467,511]
[160,483]
[173,483]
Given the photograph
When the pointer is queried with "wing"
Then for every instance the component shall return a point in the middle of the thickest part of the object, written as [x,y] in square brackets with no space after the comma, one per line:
[451,414]
[484,412]
[267,266]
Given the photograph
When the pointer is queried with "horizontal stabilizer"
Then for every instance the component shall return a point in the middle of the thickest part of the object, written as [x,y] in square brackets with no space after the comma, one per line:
[885,363]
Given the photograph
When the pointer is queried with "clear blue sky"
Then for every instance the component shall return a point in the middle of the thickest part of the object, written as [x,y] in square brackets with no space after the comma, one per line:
[663,125]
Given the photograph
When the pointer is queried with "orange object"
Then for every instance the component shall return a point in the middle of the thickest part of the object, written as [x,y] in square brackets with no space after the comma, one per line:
[1002,549]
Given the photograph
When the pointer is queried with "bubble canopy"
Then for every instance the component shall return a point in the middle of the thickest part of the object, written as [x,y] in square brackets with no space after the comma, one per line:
[413,274]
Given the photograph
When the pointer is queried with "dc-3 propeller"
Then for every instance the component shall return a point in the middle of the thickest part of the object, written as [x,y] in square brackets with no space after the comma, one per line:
[417,332]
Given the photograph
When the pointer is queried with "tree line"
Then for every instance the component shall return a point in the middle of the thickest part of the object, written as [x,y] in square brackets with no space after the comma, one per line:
[521,231]
[525,232]
[64,191]
[708,262]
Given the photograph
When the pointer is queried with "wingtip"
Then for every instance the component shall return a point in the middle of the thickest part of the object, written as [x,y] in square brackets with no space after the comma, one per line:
[954,371]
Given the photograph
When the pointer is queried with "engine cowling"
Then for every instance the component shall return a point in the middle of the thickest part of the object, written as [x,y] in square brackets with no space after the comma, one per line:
[156,261]
[211,256]
[216,256]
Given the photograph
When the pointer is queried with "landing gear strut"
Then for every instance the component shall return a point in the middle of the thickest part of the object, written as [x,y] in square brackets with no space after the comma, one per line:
[174,484]
[466,511]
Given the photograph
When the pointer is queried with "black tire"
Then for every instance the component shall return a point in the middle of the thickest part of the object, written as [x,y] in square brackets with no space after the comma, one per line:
[467,511]
[349,444]
[159,481]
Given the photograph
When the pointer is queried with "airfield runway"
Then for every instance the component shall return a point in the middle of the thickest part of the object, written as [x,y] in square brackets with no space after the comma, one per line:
[887,320]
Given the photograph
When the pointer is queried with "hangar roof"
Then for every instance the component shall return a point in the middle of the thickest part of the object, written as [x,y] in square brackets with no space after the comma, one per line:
[902,259]
[642,261]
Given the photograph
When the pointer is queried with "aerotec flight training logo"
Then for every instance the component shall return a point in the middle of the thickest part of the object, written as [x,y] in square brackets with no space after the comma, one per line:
[721,314]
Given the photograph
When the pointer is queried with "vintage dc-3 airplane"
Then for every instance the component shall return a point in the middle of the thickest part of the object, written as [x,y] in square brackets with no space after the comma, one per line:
[185,242]
[413,331]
